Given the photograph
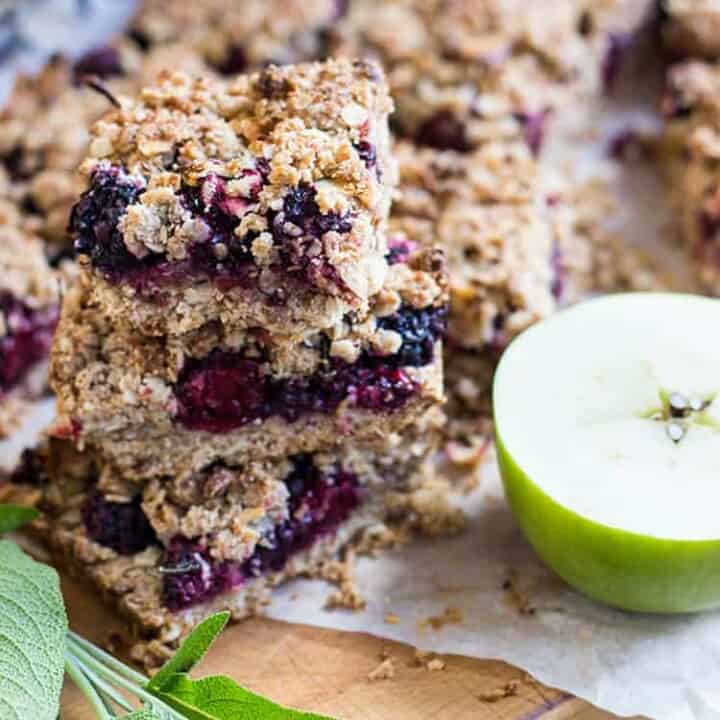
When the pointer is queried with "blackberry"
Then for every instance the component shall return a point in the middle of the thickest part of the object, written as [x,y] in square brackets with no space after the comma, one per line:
[443,131]
[301,210]
[191,576]
[94,220]
[419,329]
[120,526]
[221,392]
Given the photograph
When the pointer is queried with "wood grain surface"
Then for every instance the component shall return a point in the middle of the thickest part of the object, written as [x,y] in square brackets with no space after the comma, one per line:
[327,671]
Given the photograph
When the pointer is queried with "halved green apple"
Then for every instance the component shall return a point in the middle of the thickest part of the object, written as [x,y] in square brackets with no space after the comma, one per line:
[608,439]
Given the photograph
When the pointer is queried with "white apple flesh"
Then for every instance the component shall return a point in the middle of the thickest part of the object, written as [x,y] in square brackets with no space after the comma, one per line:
[608,433]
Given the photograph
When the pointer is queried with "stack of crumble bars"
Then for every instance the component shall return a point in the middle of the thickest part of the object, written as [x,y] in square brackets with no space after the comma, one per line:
[248,367]
[247,375]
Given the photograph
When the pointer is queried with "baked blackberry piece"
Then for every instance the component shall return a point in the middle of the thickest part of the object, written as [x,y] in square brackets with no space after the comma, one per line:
[261,201]
[28,315]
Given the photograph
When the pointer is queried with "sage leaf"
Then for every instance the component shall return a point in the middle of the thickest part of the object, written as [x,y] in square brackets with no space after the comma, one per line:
[14,516]
[217,697]
[192,650]
[33,626]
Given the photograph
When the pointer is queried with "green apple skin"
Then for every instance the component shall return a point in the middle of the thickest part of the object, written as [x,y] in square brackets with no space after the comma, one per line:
[619,568]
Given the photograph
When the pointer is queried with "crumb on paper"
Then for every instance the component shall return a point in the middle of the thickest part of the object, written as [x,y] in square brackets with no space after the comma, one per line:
[427,510]
[507,690]
[341,573]
[450,616]
[376,539]
[391,619]
[384,671]
[517,598]
[428,660]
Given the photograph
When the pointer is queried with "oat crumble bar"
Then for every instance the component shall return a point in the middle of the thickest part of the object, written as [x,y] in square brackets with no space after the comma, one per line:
[690,151]
[464,73]
[258,201]
[173,550]
[160,404]
[511,236]
[237,38]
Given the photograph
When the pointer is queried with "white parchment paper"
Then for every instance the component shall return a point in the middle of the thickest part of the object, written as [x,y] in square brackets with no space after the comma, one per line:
[660,667]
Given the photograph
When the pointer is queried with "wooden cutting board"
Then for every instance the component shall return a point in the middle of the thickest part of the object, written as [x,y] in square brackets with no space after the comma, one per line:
[327,671]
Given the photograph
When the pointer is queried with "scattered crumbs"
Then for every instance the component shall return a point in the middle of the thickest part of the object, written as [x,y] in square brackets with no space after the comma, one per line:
[341,573]
[376,539]
[507,690]
[391,619]
[428,660]
[384,671]
[294,596]
[516,598]
[450,616]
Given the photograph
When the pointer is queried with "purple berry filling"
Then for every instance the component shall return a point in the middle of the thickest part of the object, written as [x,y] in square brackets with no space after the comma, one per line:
[103,62]
[27,339]
[301,211]
[223,257]
[443,131]
[317,506]
[120,526]
[533,124]
[618,45]
[225,391]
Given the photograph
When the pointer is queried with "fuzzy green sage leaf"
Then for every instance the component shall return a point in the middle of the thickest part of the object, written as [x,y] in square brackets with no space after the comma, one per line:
[192,650]
[33,626]
[14,516]
[217,697]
